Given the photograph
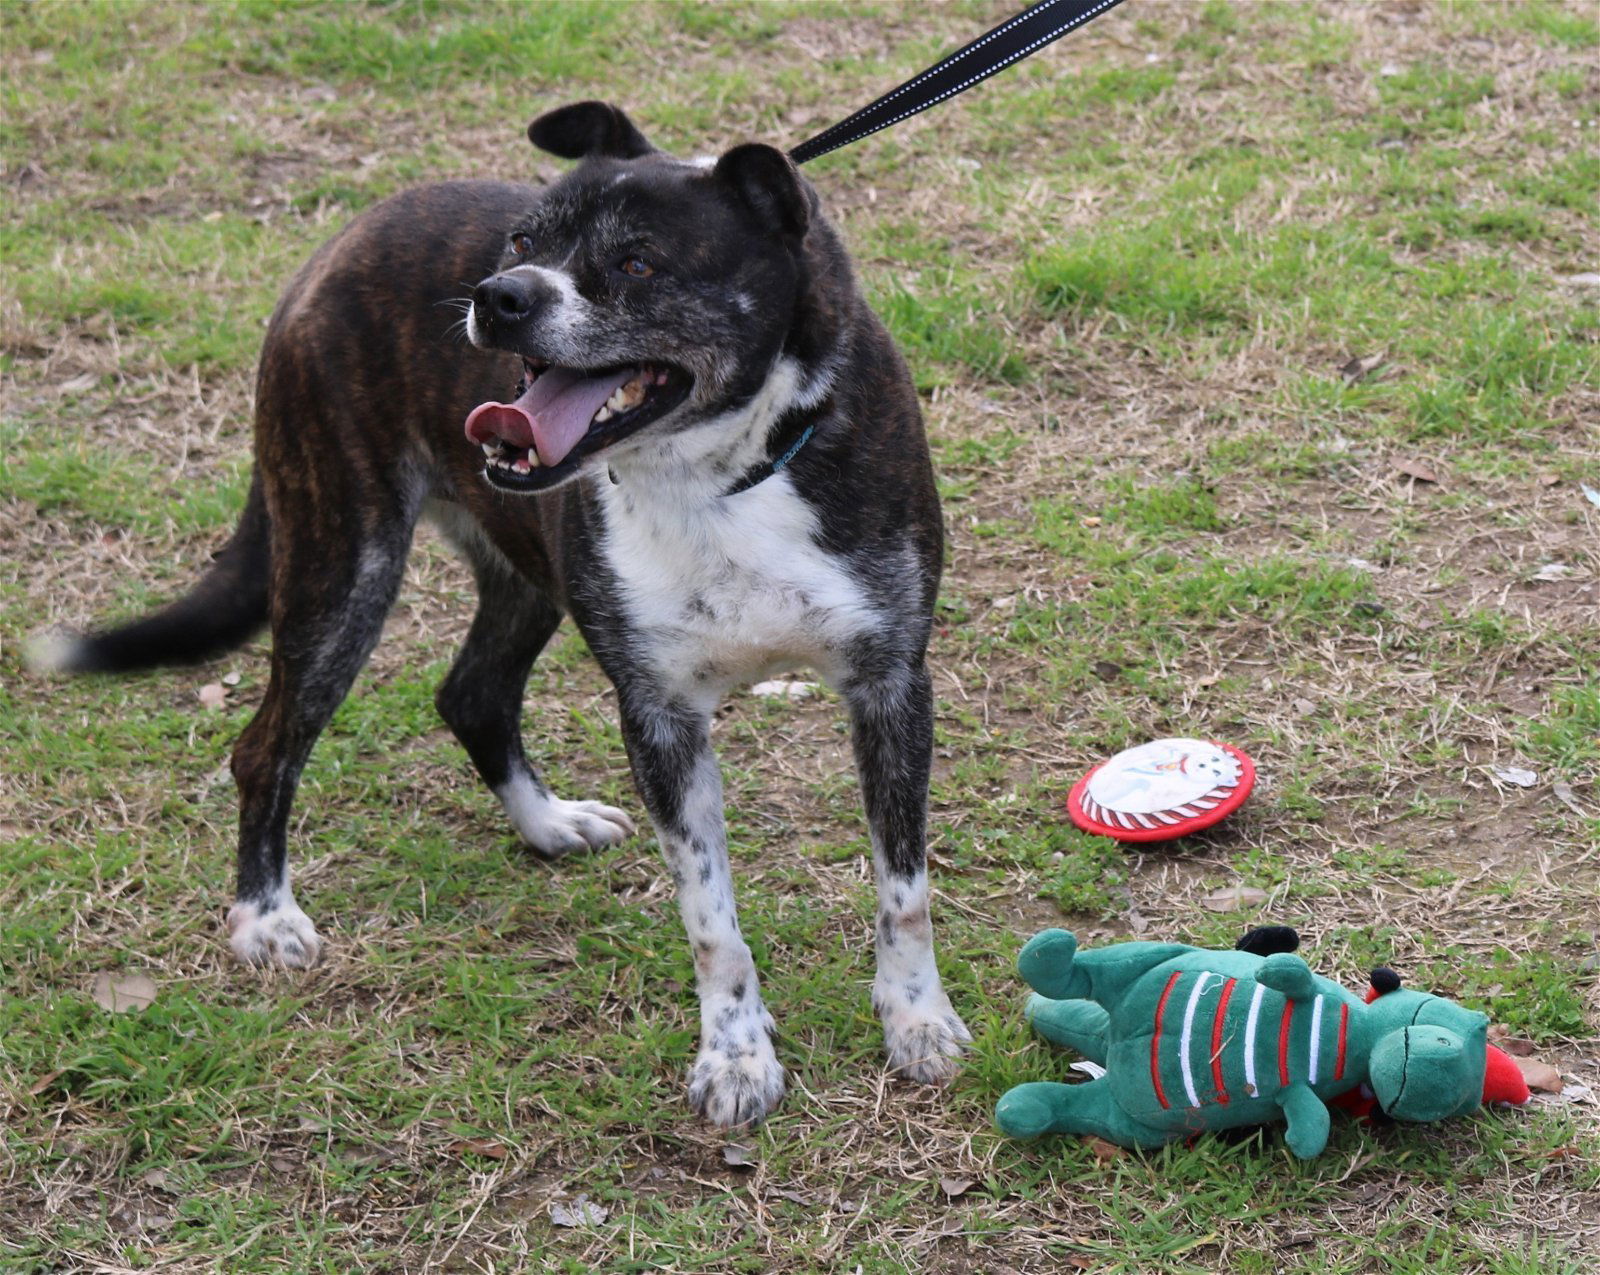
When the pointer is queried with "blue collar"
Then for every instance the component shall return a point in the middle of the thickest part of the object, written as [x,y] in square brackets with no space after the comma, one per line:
[793,432]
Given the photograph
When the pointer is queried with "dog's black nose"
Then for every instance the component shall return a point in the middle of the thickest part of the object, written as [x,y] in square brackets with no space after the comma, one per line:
[503,298]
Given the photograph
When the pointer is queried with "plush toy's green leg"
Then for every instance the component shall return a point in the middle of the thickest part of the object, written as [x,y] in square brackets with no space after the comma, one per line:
[1052,965]
[1079,1025]
[1046,964]
[1286,973]
[1307,1134]
[1031,1110]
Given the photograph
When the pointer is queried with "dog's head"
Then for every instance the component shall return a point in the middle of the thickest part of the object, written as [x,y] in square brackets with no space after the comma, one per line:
[641,292]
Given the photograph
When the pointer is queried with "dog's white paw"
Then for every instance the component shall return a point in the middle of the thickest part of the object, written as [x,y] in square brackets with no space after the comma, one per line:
[283,936]
[552,827]
[736,1085]
[923,1038]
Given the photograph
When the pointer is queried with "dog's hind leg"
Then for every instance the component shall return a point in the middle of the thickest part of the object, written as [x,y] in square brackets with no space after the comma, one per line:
[891,713]
[736,1079]
[327,612]
[481,701]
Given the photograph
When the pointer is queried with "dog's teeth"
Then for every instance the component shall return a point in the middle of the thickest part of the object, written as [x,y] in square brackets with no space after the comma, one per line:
[489,449]
[604,414]
[521,465]
[631,394]
[615,402]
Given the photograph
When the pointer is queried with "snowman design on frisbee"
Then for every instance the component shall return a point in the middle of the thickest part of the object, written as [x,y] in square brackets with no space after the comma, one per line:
[1160,790]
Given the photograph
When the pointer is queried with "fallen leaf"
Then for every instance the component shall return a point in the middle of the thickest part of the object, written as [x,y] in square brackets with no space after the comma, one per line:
[1591,495]
[1541,1076]
[956,1187]
[486,1147]
[1233,898]
[1359,368]
[1569,799]
[1417,470]
[1210,679]
[739,1156]
[1106,671]
[584,1212]
[796,1197]
[44,1082]
[1105,1151]
[230,679]
[1390,69]
[1089,522]
[78,384]
[1549,480]
[1501,1038]
[213,695]
[1516,776]
[122,993]
[1552,571]
[1585,279]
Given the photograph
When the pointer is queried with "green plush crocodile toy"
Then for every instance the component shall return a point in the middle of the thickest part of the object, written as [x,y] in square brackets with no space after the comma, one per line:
[1193,1040]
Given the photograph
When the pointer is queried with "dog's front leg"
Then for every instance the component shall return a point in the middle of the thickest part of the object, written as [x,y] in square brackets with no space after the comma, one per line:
[737,1078]
[891,714]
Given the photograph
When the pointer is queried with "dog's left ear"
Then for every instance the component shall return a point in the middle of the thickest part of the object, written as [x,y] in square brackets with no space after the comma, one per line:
[588,128]
[768,183]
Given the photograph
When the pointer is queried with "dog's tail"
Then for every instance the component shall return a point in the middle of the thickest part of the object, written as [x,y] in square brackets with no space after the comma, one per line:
[221,612]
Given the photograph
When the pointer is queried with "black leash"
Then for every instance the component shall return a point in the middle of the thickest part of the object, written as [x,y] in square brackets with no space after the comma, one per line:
[1009,42]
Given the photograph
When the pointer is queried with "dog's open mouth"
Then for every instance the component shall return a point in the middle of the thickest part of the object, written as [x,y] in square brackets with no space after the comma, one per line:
[561,415]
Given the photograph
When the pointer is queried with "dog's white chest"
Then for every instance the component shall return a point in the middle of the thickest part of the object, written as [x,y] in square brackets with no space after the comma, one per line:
[727,590]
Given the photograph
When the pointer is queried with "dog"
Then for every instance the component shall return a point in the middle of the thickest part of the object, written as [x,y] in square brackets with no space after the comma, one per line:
[714,462]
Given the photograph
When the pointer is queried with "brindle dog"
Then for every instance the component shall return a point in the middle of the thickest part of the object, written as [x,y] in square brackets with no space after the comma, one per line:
[714,462]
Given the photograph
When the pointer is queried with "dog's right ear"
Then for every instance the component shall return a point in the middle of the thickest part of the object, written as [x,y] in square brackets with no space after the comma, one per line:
[768,183]
[588,128]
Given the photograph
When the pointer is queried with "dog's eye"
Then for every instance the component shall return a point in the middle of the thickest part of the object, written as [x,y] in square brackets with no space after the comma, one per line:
[521,244]
[636,268]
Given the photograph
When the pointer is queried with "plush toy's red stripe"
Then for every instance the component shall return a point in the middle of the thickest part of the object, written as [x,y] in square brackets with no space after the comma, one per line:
[1344,1025]
[1283,1044]
[1155,1041]
[1216,1041]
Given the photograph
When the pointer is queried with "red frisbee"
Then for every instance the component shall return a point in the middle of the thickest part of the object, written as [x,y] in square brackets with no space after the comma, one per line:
[1161,790]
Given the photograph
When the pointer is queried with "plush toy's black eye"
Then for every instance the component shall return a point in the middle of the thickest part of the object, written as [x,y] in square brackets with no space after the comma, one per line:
[521,244]
[636,268]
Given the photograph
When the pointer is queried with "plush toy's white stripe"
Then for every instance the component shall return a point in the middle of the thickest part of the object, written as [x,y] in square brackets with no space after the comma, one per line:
[1188,1025]
[1250,1042]
[1316,1037]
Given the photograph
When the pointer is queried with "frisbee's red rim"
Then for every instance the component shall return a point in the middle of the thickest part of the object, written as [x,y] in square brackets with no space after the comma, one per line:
[1167,832]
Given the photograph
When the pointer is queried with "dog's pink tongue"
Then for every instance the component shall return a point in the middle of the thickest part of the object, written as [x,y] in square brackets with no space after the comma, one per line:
[551,416]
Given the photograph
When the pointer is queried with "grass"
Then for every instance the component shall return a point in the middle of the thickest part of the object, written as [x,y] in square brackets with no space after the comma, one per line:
[1192,298]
